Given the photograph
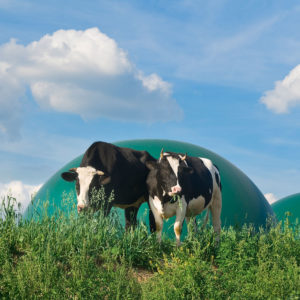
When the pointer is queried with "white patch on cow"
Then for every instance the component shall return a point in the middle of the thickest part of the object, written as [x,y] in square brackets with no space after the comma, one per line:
[174,164]
[166,210]
[169,209]
[207,162]
[85,177]
[195,206]
[158,205]
[156,208]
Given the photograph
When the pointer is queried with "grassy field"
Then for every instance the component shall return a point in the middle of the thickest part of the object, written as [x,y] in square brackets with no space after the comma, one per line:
[91,257]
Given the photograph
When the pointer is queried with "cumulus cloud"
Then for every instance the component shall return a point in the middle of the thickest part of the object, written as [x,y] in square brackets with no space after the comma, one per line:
[270,198]
[20,191]
[286,93]
[84,73]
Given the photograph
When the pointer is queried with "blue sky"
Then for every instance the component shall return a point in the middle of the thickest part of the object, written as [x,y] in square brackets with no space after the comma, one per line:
[221,74]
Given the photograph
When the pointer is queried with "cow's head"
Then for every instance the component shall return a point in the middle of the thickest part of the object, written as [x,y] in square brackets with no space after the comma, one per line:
[86,179]
[170,170]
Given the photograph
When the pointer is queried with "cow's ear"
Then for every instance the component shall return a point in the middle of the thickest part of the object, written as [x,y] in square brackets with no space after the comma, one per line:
[105,180]
[151,165]
[69,176]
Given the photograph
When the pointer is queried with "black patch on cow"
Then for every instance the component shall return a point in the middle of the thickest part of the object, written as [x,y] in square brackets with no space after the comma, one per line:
[200,183]
[154,188]
[217,179]
[216,167]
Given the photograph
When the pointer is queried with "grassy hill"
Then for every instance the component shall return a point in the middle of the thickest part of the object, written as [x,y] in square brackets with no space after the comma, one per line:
[92,257]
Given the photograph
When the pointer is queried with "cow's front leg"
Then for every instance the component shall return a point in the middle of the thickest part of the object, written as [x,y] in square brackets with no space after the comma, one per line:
[131,217]
[180,215]
[151,221]
[159,227]
[158,219]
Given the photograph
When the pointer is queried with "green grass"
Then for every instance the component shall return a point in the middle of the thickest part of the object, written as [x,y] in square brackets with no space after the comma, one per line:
[92,257]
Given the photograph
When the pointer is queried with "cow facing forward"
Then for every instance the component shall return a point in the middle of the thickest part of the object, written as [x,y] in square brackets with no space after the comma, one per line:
[184,186]
[120,170]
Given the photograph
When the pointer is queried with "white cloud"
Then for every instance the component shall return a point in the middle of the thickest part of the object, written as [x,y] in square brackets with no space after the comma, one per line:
[286,93]
[20,191]
[270,198]
[10,107]
[84,73]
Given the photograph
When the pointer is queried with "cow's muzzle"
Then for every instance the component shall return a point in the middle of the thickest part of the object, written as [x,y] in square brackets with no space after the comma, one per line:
[175,190]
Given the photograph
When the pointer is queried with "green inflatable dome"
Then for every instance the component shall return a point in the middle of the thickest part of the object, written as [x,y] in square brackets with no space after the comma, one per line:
[242,200]
[288,206]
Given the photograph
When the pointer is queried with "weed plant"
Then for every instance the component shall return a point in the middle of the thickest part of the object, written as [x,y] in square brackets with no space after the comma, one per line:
[89,256]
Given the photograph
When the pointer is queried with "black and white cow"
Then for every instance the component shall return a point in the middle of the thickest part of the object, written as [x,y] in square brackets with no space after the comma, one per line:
[184,186]
[121,170]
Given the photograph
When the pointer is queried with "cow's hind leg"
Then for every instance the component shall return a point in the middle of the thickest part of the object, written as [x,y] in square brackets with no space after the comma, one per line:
[215,209]
[131,217]
[205,220]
